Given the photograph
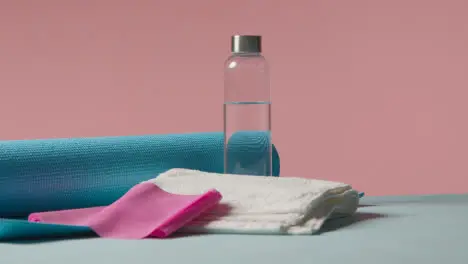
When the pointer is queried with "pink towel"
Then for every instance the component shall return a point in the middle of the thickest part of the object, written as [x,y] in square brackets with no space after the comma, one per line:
[144,211]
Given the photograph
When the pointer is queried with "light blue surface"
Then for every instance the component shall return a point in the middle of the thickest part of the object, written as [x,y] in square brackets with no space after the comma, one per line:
[54,174]
[394,230]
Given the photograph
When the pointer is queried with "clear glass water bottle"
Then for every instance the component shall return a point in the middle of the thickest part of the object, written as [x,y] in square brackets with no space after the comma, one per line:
[247,109]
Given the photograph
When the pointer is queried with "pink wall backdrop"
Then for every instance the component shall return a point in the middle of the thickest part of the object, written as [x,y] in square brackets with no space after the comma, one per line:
[369,92]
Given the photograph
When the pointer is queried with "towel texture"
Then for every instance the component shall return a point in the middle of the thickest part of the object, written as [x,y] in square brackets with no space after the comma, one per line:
[261,204]
[144,211]
[58,174]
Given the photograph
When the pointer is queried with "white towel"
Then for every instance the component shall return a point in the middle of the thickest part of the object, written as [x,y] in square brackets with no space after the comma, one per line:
[256,204]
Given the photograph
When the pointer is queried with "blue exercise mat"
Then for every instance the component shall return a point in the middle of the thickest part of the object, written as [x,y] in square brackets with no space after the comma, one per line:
[55,174]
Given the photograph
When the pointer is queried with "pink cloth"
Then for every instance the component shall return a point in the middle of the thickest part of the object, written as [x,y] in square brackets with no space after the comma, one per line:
[144,211]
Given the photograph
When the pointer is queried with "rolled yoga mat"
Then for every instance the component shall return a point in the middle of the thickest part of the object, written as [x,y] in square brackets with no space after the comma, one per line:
[55,174]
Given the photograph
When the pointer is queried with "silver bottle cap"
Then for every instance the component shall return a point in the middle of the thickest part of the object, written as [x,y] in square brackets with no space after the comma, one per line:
[246,44]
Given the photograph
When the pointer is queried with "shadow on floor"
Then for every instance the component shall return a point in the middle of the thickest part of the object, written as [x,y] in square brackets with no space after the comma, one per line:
[342,222]
[365,205]
[35,240]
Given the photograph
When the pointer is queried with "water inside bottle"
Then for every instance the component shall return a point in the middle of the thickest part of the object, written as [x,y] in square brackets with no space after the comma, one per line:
[247,138]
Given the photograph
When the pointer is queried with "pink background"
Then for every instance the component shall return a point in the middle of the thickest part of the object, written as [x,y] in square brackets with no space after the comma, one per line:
[369,92]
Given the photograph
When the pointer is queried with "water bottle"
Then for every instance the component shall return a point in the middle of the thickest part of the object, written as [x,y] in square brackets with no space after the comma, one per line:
[247,109]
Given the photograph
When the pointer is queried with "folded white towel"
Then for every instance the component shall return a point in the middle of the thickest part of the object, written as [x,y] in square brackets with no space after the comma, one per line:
[255,204]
